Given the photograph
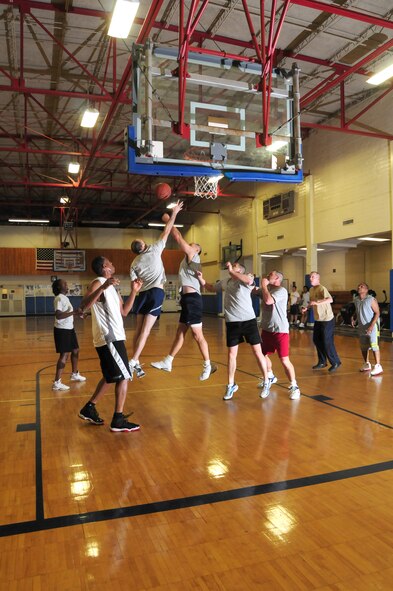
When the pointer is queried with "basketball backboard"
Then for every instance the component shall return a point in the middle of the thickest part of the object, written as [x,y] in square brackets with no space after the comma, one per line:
[222,115]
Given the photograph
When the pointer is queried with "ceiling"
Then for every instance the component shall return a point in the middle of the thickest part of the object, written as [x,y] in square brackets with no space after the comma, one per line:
[56,58]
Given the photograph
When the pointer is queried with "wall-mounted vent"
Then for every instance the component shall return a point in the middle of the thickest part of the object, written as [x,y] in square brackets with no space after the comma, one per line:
[347,222]
[280,237]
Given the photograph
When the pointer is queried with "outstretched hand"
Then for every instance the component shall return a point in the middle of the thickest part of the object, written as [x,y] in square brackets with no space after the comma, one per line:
[136,285]
[178,207]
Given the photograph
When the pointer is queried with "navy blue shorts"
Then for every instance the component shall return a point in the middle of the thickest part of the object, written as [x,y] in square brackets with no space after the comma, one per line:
[150,301]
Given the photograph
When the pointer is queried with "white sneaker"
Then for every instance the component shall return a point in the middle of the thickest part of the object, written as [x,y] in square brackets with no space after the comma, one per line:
[294,392]
[266,390]
[366,366]
[164,364]
[301,325]
[76,377]
[376,370]
[272,380]
[230,391]
[207,372]
[59,386]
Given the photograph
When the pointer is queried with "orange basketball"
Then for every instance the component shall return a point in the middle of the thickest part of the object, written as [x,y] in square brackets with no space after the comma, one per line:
[163,191]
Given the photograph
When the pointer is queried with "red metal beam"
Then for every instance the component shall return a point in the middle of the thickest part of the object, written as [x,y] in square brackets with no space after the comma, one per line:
[346,12]
[149,21]
[382,136]
[23,150]
[369,106]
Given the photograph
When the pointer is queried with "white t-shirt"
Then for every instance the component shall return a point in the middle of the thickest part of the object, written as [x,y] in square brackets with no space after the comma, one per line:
[62,304]
[107,321]
[294,297]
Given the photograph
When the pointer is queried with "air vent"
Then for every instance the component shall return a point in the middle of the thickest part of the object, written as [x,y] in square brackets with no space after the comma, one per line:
[347,222]
[280,237]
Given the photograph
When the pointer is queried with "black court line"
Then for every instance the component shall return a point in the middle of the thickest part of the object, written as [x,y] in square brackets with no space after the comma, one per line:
[26,427]
[194,501]
[39,489]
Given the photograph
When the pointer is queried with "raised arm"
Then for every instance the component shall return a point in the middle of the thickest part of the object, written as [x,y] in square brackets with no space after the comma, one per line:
[169,225]
[264,293]
[95,291]
[135,288]
[246,278]
[205,284]
[185,247]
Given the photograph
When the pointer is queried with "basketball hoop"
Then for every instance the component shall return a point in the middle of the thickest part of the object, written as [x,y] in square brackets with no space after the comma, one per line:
[206,186]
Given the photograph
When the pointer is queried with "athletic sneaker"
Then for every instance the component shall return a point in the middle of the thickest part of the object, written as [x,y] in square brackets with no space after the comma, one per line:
[265,391]
[90,413]
[301,325]
[139,372]
[165,364]
[207,372]
[76,377]
[121,424]
[58,385]
[376,370]
[272,380]
[294,392]
[366,366]
[230,391]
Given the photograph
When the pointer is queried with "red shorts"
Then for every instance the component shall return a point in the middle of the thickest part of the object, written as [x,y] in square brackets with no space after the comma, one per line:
[275,341]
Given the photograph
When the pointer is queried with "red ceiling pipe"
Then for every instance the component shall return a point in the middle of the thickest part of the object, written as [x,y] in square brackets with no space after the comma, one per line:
[381,136]
[353,14]
[369,106]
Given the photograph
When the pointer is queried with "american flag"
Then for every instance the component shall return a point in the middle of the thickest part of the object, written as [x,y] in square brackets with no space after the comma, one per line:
[44,259]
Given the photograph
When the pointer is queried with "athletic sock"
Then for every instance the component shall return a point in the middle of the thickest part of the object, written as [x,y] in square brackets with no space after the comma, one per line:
[169,358]
[270,374]
[294,383]
[133,362]
[206,363]
[117,415]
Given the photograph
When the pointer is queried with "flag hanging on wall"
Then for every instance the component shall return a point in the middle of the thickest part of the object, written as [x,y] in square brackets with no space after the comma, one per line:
[44,259]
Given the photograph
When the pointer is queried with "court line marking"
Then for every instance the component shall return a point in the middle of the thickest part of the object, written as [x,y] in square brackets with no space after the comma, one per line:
[41,524]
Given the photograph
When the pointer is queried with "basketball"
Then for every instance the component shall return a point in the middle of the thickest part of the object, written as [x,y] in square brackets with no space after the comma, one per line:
[163,191]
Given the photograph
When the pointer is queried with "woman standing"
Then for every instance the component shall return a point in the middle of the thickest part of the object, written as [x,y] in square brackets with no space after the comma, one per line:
[66,341]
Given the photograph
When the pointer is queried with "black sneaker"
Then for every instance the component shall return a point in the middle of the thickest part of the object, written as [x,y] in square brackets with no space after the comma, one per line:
[121,424]
[89,413]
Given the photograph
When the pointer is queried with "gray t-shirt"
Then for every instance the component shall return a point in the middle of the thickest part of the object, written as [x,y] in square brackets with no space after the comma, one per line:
[274,316]
[364,313]
[237,301]
[188,273]
[148,266]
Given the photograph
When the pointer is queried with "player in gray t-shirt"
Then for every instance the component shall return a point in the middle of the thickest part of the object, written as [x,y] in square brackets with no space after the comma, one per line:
[241,323]
[367,315]
[275,328]
[191,307]
[148,267]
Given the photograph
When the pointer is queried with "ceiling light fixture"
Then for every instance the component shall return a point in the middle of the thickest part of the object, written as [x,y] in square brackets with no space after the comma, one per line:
[64,200]
[89,118]
[270,256]
[154,225]
[73,167]
[372,239]
[20,221]
[171,205]
[318,249]
[381,76]
[104,222]
[122,18]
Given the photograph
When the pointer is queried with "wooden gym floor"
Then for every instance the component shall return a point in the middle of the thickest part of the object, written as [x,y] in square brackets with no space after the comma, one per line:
[209,495]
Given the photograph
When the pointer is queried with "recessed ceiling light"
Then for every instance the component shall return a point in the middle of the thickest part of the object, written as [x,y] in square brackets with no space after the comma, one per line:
[73,167]
[122,18]
[270,256]
[89,118]
[372,239]
[381,76]
[20,221]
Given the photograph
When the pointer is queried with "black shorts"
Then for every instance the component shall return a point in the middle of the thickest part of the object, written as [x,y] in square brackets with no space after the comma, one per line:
[150,301]
[191,309]
[114,362]
[294,309]
[238,332]
[65,340]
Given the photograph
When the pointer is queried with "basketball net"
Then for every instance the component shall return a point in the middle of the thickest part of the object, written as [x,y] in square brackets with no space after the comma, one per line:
[206,186]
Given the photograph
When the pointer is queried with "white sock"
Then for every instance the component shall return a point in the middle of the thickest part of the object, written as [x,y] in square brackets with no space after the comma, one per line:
[206,363]
[270,374]
[133,362]
[169,358]
[294,384]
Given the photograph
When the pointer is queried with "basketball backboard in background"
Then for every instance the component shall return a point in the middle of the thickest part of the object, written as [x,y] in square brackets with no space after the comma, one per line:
[69,260]
[223,117]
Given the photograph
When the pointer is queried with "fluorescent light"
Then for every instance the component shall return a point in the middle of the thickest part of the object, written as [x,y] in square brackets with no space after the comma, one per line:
[154,225]
[64,200]
[217,122]
[371,239]
[277,145]
[270,256]
[122,18]
[381,76]
[215,177]
[17,220]
[73,167]
[89,118]
[171,205]
[318,249]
